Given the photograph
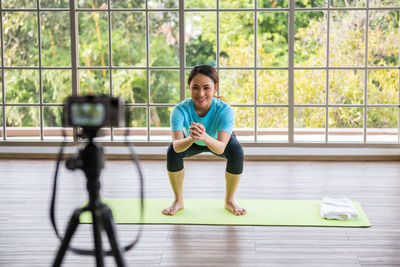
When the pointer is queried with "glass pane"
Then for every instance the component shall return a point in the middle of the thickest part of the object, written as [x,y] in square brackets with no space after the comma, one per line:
[52,124]
[19,3]
[383,38]
[93,39]
[56,39]
[272,44]
[310,38]
[52,116]
[20,39]
[345,125]
[54,4]
[201,3]
[128,3]
[272,87]
[348,3]
[310,4]
[236,39]
[135,120]
[309,86]
[236,4]
[237,86]
[164,86]
[272,4]
[22,86]
[163,3]
[272,124]
[244,123]
[201,36]
[137,117]
[383,3]
[309,124]
[187,95]
[383,86]
[160,124]
[23,123]
[57,85]
[346,86]
[93,4]
[128,38]
[382,124]
[347,38]
[164,39]
[1,122]
[94,82]
[131,85]
[1,90]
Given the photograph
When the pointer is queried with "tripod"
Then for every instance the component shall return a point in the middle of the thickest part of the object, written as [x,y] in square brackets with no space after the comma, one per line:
[91,161]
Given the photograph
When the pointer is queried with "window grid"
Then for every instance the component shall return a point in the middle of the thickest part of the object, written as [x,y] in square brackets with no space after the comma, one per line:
[147,72]
[291,105]
[2,76]
[366,75]
[255,72]
[40,69]
[74,55]
[38,11]
[110,60]
[291,73]
[327,73]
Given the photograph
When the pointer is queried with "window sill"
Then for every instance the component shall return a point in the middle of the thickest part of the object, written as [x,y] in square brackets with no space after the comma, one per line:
[251,153]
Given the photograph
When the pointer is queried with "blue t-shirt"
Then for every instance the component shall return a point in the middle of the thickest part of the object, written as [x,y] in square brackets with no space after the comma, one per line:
[219,118]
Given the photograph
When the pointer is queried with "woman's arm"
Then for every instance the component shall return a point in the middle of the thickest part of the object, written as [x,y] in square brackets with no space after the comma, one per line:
[180,143]
[197,132]
[217,145]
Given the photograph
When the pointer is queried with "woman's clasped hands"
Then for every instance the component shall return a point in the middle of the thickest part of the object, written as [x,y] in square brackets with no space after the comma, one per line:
[197,131]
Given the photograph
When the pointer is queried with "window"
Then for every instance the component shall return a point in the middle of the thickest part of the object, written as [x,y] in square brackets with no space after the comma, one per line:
[300,71]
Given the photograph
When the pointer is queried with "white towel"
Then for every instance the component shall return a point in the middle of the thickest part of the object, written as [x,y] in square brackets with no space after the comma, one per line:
[338,208]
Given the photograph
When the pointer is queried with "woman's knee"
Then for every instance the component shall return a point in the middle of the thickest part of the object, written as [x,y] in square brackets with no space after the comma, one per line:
[174,160]
[235,156]
[171,151]
[234,149]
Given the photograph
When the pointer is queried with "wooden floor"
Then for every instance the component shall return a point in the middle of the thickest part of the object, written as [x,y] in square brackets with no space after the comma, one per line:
[27,239]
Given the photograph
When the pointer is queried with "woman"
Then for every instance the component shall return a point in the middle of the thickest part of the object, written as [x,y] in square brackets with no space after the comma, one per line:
[199,124]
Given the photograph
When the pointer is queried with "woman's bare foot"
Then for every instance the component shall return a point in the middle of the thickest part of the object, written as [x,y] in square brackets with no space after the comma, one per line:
[175,206]
[234,208]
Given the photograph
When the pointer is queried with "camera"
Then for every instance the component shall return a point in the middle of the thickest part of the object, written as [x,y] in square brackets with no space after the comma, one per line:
[92,112]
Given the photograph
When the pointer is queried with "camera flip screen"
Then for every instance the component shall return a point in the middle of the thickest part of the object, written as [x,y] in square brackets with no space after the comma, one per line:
[88,114]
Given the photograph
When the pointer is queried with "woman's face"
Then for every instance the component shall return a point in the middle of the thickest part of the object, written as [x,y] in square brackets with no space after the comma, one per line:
[202,90]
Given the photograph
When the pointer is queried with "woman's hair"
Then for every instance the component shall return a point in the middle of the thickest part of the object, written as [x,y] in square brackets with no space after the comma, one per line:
[208,71]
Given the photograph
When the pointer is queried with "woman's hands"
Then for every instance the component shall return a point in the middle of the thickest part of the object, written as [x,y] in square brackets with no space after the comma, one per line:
[197,132]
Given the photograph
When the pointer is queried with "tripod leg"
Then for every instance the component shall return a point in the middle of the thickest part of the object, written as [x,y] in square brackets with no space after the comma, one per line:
[73,224]
[96,213]
[110,229]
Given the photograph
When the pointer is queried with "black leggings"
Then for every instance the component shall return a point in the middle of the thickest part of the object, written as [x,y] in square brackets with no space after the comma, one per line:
[233,153]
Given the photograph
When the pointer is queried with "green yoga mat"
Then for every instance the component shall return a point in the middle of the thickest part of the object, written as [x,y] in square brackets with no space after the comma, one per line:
[212,212]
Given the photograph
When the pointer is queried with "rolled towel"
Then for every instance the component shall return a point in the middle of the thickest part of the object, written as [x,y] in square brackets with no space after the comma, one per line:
[338,208]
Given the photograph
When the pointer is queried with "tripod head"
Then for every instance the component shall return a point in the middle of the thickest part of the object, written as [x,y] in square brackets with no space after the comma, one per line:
[90,159]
